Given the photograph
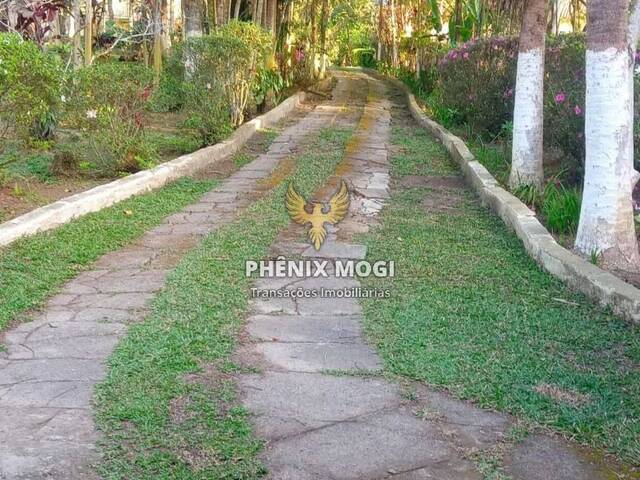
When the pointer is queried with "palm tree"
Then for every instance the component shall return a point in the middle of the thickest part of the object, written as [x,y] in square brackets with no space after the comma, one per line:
[606,225]
[526,156]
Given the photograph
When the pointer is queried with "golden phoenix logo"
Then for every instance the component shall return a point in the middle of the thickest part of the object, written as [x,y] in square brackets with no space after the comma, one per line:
[338,208]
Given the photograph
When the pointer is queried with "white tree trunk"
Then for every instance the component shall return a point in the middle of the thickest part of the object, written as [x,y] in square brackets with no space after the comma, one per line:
[527,153]
[606,219]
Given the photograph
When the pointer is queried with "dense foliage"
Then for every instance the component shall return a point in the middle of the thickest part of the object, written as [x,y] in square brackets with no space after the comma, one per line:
[30,84]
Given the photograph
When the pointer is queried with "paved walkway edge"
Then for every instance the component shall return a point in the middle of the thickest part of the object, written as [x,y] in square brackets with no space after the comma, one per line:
[103,196]
[598,284]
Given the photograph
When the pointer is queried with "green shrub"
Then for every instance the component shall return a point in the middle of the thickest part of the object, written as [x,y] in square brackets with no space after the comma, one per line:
[561,208]
[170,94]
[220,65]
[30,83]
[107,101]
[208,111]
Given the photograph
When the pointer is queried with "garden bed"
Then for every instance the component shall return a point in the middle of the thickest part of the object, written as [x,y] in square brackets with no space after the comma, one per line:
[33,180]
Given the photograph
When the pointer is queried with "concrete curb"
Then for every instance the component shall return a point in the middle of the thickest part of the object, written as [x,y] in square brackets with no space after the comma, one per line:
[604,287]
[64,210]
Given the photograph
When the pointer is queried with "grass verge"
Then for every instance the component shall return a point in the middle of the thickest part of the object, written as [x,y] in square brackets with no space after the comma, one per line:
[33,268]
[167,408]
[471,312]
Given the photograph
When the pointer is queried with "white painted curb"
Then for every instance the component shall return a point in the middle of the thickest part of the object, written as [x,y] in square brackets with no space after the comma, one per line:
[64,210]
[602,286]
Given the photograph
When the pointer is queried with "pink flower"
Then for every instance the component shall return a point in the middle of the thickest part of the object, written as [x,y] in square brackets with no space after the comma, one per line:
[465,55]
[560,97]
[454,55]
[577,110]
[299,55]
[508,93]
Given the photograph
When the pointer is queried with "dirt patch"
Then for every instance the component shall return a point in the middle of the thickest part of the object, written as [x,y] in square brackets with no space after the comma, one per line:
[198,458]
[18,197]
[431,181]
[570,397]
[179,410]
[442,203]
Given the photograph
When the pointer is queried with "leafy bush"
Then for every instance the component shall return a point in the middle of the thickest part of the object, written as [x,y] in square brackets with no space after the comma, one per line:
[268,82]
[108,101]
[30,83]
[226,62]
[208,110]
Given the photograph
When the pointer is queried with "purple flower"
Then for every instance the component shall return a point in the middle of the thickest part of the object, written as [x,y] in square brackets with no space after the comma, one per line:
[560,97]
[508,93]
[577,110]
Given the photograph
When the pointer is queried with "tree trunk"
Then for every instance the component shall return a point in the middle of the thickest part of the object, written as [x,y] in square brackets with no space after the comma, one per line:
[157,41]
[324,20]
[192,18]
[88,33]
[74,32]
[606,224]
[222,12]
[165,22]
[457,21]
[313,38]
[236,12]
[380,32]
[110,15]
[259,12]
[274,17]
[394,36]
[527,153]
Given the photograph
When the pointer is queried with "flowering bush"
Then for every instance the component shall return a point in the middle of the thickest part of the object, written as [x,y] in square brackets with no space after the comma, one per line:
[30,83]
[476,81]
[564,100]
[476,86]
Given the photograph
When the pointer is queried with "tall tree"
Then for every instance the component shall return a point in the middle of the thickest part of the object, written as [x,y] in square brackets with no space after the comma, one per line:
[324,23]
[526,157]
[606,225]
[380,31]
[313,37]
[88,33]
[192,18]
[74,32]
[394,35]
[156,19]
[165,18]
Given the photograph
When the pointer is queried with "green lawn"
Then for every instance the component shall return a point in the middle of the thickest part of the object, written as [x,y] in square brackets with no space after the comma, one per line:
[472,313]
[168,409]
[33,268]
